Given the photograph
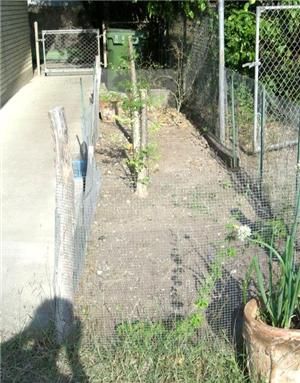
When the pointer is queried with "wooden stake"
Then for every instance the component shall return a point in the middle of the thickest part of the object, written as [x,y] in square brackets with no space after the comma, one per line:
[136,138]
[141,187]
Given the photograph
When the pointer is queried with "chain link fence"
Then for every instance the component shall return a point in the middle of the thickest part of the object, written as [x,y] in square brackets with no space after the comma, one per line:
[277,112]
[71,50]
[278,50]
[277,65]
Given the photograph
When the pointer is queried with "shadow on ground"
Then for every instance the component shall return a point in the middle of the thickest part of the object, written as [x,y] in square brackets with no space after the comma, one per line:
[35,356]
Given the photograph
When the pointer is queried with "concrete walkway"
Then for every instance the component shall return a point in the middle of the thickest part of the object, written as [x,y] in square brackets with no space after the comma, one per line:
[28,193]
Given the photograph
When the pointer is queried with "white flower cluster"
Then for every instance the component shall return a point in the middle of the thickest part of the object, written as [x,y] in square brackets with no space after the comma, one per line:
[243,232]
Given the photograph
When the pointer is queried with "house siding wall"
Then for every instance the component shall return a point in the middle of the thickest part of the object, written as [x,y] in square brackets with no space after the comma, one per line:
[15,49]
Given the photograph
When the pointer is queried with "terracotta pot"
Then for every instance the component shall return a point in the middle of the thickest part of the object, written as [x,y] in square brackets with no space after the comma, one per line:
[273,353]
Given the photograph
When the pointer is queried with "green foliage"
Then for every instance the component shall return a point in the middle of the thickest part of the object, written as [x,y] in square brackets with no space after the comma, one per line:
[170,9]
[279,32]
[244,100]
[239,35]
[111,96]
[279,39]
[137,161]
[131,103]
[272,231]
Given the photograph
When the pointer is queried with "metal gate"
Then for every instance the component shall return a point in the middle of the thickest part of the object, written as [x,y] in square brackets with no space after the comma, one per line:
[72,50]
[277,76]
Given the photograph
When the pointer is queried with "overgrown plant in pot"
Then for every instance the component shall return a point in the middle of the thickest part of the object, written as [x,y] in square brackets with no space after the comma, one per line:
[272,320]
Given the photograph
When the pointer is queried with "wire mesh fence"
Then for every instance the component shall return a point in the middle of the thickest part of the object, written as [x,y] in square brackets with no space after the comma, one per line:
[70,50]
[276,133]
[149,259]
[87,182]
[201,75]
[276,159]
[77,188]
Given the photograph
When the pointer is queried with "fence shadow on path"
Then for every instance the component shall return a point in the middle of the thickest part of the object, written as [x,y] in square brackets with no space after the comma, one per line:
[33,355]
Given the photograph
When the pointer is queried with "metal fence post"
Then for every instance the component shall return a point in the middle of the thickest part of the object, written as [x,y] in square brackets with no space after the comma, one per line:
[64,226]
[98,43]
[234,130]
[262,133]
[104,45]
[136,137]
[141,187]
[95,104]
[255,125]
[221,73]
[44,52]
[37,47]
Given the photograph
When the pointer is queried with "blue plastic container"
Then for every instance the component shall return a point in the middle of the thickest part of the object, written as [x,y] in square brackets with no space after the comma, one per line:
[79,168]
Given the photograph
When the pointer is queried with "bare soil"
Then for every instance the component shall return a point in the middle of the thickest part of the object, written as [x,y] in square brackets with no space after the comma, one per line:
[146,258]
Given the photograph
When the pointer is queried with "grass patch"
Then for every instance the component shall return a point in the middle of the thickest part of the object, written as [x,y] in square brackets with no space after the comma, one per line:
[140,352]
[152,353]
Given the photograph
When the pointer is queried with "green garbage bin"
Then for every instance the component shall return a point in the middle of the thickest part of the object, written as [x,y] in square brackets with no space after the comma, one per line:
[118,54]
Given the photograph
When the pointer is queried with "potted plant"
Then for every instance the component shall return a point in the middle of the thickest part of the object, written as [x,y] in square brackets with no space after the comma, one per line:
[272,321]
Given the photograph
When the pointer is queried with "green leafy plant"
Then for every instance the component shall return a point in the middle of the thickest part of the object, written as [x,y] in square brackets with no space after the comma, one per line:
[239,35]
[278,44]
[170,9]
[279,295]
[141,159]
[136,162]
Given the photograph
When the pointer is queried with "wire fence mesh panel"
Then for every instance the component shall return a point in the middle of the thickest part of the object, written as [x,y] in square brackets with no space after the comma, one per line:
[64,225]
[149,258]
[165,257]
[239,111]
[137,272]
[201,75]
[279,139]
[70,50]
[90,109]
[274,163]
[77,188]
[87,181]
[86,204]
